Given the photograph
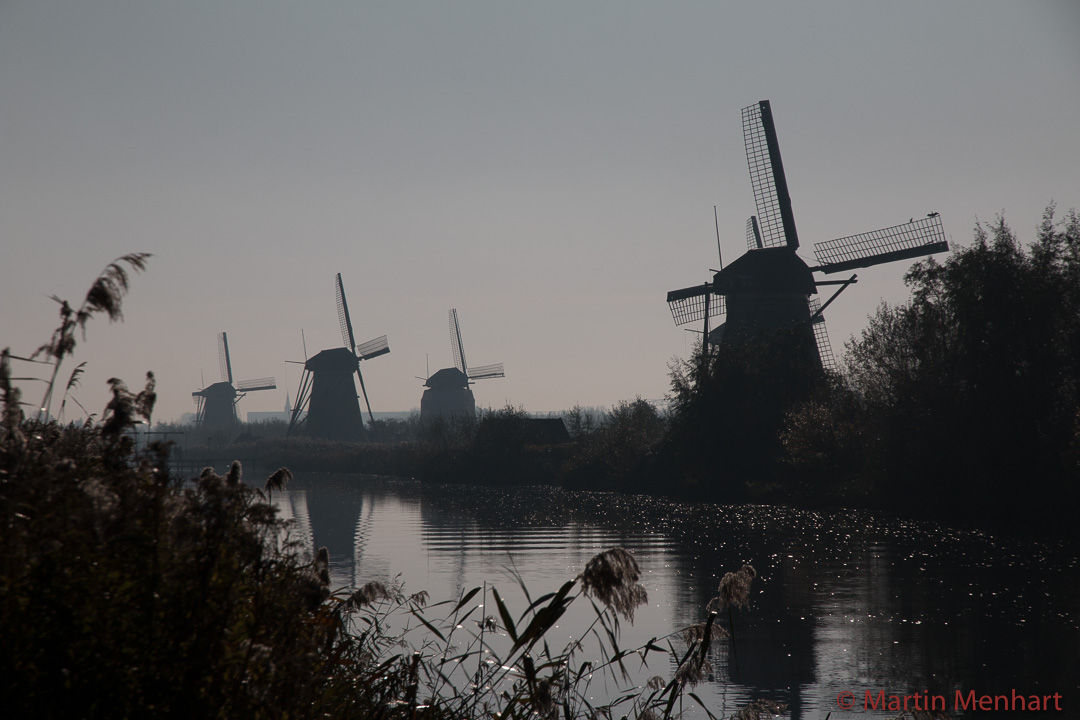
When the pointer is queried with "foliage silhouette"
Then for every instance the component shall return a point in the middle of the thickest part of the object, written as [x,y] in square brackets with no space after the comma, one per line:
[965,401]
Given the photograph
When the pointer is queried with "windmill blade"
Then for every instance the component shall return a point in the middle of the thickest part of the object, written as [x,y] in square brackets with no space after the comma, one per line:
[753,234]
[455,343]
[821,335]
[487,371]
[767,177]
[223,358]
[267,383]
[343,314]
[303,395]
[688,304]
[899,242]
[363,389]
[373,348]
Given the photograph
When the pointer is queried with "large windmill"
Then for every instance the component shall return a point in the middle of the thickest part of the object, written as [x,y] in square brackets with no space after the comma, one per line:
[327,392]
[448,391]
[215,405]
[770,289]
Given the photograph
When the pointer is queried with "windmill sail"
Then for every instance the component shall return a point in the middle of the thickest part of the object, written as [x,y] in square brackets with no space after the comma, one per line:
[821,336]
[487,371]
[753,234]
[343,314]
[373,348]
[688,304]
[455,343]
[223,358]
[267,383]
[349,339]
[899,242]
[777,223]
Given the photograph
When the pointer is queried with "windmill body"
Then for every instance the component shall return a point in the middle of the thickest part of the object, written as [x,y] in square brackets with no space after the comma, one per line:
[770,289]
[448,392]
[765,292]
[216,404]
[219,406]
[333,405]
[327,404]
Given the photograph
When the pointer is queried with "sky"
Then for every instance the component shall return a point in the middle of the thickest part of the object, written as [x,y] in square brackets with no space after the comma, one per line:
[548,169]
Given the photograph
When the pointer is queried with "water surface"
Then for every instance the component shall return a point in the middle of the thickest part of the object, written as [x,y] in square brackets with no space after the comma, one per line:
[844,601]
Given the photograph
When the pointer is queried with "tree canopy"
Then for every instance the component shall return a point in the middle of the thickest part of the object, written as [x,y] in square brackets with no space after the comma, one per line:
[967,397]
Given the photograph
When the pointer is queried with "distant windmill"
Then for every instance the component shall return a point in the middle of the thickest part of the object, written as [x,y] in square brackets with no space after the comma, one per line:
[448,391]
[327,392]
[769,288]
[215,406]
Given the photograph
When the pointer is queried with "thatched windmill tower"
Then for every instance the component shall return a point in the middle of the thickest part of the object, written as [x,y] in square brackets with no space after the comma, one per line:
[327,393]
[215,405]
[448,392]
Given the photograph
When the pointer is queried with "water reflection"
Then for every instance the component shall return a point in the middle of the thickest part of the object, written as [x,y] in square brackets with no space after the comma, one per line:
[843,601]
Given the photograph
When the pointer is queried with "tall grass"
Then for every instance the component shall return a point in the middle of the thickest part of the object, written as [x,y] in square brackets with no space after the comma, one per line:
[475,657]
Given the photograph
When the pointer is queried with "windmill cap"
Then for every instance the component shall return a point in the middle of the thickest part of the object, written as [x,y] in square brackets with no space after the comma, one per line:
[334,359]
[777,269]
[447,378]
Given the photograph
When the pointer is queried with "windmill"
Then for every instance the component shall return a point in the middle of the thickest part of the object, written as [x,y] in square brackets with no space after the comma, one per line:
[215,405]
[448,391]
[770,289]
[327,392]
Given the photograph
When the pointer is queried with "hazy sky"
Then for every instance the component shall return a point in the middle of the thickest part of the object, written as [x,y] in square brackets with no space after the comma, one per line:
[549,169]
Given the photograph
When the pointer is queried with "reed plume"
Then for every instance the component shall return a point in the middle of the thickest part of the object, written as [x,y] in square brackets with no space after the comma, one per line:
[734,590]
[105,296]
[612,578]
[369,594]
[278,479]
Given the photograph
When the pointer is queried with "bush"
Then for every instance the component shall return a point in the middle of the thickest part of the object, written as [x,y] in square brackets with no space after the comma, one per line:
[610,453]
[125,590]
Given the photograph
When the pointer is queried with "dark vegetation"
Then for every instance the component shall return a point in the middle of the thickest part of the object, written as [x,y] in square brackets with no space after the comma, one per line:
[497,447]
[128,591]
[964,402]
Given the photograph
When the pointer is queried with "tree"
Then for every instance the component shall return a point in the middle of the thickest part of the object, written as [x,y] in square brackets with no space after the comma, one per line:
[967,396]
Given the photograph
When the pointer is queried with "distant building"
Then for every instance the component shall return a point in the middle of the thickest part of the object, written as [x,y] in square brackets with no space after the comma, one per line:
[546,431]
[285,415]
